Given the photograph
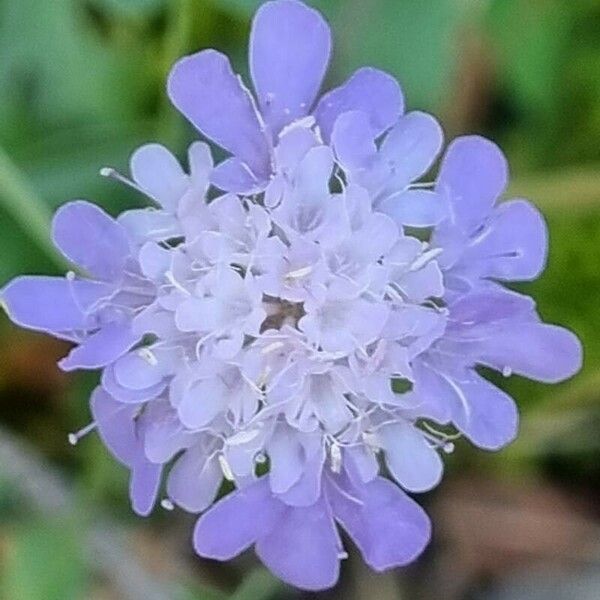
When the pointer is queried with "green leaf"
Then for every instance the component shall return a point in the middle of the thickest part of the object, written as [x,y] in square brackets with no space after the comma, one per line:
[46,563]
[531,40]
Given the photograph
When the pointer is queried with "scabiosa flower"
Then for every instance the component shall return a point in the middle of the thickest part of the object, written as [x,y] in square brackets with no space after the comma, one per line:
[310,331]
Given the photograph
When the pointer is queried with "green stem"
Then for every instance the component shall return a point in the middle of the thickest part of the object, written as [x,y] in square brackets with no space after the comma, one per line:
[23,205]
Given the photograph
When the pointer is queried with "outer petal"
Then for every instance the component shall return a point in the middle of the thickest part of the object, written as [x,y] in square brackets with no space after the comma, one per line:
[307,490]
[126,395]
[354,142]
[303,547]
[202,402]
[91,239]
[412,461]
[412,146]
[143,486]
[415,208]
[116,425]
[51,304]
[159,174]
[388,527]
[474,174]
[539,351]
[235,523]
[290,46]
[514,245]
[369,90]
[233,175]
[100,349]
[287,460]
[205,89]
[194,480]
[485,414]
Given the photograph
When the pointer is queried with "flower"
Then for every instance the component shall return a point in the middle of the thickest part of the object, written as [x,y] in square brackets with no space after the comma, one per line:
[303,313]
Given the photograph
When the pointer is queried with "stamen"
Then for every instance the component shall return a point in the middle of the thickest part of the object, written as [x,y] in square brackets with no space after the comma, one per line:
[167,504]
[272,347]
[225,468]
[75,437]
[171,279]
[111,173]
[336,458]
[448,447]
[148,356]
[425,258]
[299,273]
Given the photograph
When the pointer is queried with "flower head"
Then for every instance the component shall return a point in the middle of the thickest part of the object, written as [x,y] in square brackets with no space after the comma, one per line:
[321,316]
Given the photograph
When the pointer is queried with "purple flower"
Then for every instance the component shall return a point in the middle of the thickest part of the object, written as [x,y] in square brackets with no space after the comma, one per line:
[290,47]
[300,543]
[297,320]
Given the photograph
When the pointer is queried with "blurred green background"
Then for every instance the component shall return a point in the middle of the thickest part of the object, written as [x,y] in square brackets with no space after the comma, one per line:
[82,83]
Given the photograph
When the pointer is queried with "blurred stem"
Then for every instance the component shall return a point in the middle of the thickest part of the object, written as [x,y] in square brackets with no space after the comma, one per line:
[575,188]
[23,205]
[258,585]
[177,40]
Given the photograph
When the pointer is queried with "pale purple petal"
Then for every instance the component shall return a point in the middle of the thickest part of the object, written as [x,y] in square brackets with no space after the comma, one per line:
[52,304]
[143,486]
[369,90]
[411,459]
[194,480]
[415,208]
[127,395]
[353,139]
[233,175]
[134,372]
[514,244]
[202,402]
[411,147]
[290,46]
[144,224]
[116,425]
[101,348]
[302,548]
[486,415]
[307,489]
[236,522]
[159,174]
[286,460]
[91,239]
[473,175]
[205,89]
[388,527]
[536,350]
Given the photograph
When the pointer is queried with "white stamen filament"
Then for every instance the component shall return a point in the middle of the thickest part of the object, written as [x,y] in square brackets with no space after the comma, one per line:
[225,468]
[299,273]
[75,437]
[425,259]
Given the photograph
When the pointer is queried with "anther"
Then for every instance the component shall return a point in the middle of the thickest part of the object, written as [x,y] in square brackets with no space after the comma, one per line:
[299,273]
[448,447]
[75,437]
[225,468]
[147,355]
[167,504]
